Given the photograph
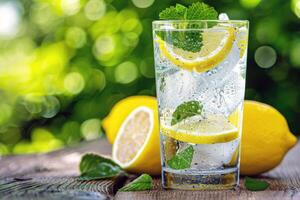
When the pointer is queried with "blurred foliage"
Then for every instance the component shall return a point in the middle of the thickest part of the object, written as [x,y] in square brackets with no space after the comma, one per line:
[64,63]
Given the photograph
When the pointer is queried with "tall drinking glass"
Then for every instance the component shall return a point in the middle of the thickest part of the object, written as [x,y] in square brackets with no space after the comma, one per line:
[200,80]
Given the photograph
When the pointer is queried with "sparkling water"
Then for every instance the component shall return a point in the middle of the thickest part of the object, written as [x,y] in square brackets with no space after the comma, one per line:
[220,92]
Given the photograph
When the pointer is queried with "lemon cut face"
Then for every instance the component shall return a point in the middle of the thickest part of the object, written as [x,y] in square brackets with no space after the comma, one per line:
[214,129]
[121,110]
[217,44]
[133,129]
[132,137]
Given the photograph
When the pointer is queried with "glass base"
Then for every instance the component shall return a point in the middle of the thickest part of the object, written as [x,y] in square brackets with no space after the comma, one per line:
[200,180]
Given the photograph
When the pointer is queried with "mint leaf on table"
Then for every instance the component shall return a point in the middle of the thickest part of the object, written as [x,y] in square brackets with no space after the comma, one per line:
[143,182]
[185,110]
[255,185]
[188,40]
[94,167]
[91,161]
[183,159]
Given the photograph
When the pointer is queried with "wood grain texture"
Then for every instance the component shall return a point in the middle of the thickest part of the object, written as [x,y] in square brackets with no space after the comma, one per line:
[284,184]
[53,176]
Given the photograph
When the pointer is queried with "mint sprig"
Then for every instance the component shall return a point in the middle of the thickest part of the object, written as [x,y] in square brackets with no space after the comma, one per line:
[93,167]
[183,159]
[255,185]
[188,40]
[201,11]
[196,11]
[177,12]
[143,182]
[185,110]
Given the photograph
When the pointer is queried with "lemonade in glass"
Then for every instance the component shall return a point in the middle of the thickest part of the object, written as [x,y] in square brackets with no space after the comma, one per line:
[200,80]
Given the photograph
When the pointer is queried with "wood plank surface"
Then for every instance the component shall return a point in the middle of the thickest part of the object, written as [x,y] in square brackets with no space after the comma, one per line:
[53,176]
[284,184]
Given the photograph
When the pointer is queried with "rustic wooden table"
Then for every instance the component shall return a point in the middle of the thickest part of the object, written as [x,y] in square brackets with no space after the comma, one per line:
[53,176]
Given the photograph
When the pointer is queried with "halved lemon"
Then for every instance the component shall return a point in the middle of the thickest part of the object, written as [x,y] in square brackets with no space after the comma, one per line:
[120,111]
[211,130]
[136,147]
[217,43]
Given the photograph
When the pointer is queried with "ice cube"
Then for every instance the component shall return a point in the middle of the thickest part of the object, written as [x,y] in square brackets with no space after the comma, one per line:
[223,16]
[179,87]
[213,156]
[226,97]
[217,74]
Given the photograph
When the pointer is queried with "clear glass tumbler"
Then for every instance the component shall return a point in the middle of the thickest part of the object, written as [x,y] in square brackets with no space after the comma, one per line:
[200,80]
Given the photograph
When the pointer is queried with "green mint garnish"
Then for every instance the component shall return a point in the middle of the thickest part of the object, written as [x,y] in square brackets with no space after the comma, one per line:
[143,182]
[185,110]
[183,159]
[189,40]
[197,11]
[177,12]
[255,185]
[201,11]
[94,167]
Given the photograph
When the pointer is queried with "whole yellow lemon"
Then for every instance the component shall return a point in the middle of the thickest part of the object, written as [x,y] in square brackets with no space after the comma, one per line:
[266,138]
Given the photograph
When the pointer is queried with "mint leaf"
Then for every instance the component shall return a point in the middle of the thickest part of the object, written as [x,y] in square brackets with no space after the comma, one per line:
[183,159]
[97,167]
[188,40]
[185,110]
[91,161]
[255,185]
[177,12]
[143,182]
[201,11]
[196,11]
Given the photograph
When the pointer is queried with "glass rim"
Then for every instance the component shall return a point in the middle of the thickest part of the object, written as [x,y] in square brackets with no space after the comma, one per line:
[161,22]
[175,24]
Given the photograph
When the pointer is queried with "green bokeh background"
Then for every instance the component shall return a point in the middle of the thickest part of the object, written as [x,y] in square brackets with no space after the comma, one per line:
[65,63]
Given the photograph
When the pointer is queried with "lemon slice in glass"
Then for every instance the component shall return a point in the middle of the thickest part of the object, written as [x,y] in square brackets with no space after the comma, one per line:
[217,43]
[213,129]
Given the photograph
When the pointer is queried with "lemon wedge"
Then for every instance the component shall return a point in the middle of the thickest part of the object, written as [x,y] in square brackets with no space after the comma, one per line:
[211,130]
[136,147]
[217,43]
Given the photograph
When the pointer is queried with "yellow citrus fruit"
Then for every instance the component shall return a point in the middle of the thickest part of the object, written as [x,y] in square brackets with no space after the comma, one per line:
[266,138]
[217,43]
[211,130]
[121,110]
[136,147]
